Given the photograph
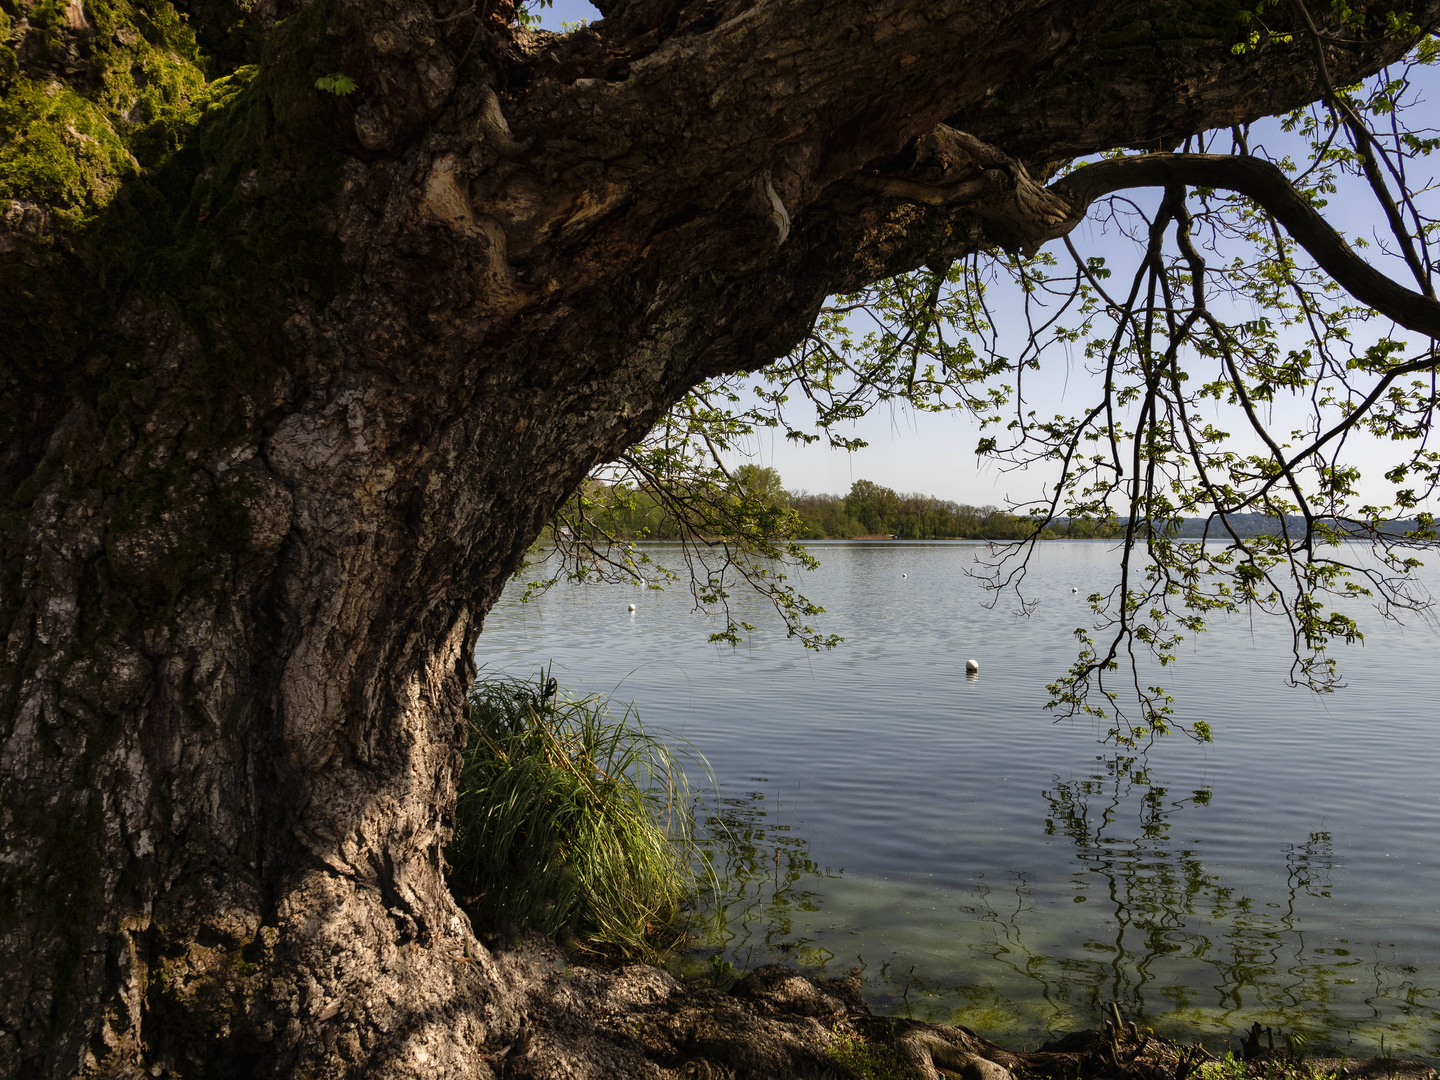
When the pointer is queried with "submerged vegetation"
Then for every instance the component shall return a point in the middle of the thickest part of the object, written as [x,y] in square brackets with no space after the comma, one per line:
[571,821]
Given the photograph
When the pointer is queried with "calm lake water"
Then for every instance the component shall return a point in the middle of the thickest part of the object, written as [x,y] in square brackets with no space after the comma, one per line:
[986,866]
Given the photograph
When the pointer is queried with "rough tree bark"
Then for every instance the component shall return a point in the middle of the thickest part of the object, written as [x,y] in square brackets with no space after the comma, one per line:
[292,380]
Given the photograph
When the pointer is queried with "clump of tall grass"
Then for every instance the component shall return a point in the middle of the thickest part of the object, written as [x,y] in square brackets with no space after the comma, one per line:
[571,821]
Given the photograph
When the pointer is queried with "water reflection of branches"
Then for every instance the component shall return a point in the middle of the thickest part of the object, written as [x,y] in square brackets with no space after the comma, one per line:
[766,885]
[1179,943]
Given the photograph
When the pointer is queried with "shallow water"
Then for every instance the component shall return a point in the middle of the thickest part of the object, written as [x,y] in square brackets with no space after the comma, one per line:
[989,867]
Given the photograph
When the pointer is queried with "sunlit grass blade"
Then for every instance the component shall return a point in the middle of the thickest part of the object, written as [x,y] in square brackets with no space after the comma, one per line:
[571,821]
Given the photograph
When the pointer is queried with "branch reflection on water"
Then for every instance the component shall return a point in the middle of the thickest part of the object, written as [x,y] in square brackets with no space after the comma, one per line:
[1139,920]
[766,889]
[1175,943]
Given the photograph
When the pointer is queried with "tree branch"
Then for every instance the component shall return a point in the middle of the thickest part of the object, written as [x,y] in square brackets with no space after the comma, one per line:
[1265,184]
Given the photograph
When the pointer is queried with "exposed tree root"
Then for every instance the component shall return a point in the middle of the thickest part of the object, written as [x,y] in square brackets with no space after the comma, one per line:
[777,1024]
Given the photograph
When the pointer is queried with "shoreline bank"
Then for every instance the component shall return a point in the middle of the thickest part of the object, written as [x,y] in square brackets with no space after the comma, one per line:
[775,1023]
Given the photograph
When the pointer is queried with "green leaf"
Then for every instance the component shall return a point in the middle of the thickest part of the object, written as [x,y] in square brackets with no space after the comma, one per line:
[336,84]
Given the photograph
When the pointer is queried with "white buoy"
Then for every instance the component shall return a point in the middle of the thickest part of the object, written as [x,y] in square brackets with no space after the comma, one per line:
[1073,589]
[632,607]
[904,575]
[972,666]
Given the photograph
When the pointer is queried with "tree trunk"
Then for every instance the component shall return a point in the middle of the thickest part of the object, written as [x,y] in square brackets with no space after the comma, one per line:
[293,379]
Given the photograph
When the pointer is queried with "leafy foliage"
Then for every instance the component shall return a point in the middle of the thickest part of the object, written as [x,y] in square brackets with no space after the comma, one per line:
[337,84]
[1229,377]
[526,13]
[733,525]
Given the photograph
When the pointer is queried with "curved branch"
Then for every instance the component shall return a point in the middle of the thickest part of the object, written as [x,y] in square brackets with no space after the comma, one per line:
[1268,186]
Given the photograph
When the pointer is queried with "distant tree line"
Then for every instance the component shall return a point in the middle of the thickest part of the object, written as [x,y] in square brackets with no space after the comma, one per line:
[871,509]
[632,512]
[1269,525]
[629,511]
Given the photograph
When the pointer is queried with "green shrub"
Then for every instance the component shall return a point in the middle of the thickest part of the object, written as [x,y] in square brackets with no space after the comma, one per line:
[570,821]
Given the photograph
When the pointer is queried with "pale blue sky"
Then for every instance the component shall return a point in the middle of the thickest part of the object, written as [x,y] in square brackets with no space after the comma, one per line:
[565,11]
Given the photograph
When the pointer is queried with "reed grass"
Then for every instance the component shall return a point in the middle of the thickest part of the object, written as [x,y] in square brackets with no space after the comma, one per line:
[572,821]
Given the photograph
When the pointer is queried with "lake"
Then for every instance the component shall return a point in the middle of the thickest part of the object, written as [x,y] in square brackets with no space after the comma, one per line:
[987,866]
